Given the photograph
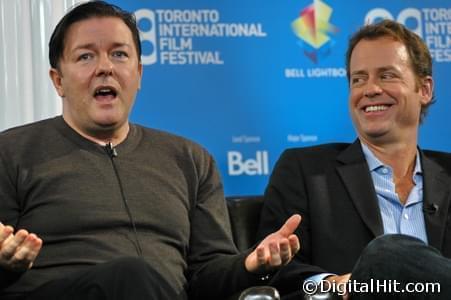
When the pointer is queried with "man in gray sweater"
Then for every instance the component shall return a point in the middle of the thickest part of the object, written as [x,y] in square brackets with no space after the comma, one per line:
[94,207]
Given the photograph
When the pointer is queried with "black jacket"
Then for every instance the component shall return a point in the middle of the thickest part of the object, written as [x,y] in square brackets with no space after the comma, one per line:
[331,187]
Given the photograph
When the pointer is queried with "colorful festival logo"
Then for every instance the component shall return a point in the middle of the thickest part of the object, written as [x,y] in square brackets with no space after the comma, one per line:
[313,29]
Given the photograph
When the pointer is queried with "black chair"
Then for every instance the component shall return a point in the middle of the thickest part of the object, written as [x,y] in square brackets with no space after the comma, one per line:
[244,213]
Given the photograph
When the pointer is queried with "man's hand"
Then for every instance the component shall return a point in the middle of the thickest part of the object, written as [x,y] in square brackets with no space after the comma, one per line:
[276,250]
[18,251]
[340,280]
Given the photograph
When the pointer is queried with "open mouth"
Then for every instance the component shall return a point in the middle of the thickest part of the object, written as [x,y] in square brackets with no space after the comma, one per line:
[105,93]
[376,108]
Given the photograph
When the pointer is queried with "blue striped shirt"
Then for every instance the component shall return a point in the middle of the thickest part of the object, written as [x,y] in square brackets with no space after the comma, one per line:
[406,219]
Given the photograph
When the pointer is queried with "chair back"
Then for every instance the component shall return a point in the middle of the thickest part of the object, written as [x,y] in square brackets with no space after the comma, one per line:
[244,213]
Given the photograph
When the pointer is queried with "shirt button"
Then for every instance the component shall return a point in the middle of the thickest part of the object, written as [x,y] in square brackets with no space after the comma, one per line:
[406,216]
[384,171]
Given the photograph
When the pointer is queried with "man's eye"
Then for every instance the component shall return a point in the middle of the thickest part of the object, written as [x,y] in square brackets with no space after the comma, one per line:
[84,56]
[388,76]
[120,54]
[356,80]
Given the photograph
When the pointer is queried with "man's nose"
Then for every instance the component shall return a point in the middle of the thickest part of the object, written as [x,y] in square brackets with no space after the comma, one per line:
[372,89]
[104,66]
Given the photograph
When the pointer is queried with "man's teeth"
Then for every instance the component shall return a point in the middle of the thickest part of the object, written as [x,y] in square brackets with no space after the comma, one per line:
[376,108]
[105,91]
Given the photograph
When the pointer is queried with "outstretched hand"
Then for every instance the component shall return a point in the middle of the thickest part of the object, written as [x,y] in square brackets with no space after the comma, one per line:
[18,251]
[276,250]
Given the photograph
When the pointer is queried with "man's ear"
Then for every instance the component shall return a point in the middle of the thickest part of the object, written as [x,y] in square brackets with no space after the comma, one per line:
[140,72]
[426,90]
[56,77]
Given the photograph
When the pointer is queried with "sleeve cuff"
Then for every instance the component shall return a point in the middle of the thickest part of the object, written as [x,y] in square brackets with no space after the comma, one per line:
[319,277]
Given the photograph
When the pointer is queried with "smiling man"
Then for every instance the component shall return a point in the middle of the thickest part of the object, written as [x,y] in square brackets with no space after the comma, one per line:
[95,207]
[382,184]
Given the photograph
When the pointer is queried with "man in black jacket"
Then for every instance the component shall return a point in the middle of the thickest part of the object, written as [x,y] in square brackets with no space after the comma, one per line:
[349,194]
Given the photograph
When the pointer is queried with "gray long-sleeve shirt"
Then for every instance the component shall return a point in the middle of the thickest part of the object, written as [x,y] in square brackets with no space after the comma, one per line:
[64,188]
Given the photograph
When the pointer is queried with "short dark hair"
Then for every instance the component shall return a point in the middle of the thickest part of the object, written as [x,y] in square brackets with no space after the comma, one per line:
[86,11]
[419,55]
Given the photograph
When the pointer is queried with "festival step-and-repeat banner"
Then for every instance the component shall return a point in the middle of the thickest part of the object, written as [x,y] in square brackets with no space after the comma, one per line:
[248,79]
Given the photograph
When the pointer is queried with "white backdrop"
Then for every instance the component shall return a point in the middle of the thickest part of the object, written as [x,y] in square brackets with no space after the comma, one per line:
[26,93]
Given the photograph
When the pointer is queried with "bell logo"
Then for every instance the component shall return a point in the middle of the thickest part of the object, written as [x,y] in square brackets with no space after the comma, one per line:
[252,166]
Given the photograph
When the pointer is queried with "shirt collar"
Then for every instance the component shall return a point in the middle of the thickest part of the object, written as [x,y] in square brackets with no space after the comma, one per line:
[374,163]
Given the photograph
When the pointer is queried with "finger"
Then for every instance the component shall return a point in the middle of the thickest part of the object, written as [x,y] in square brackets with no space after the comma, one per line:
[261,256]
[295,245]
[285,251]
[275,254]
[26,255]
[29,249]
[347,277]
[290,225]
[5,232]
[10,245]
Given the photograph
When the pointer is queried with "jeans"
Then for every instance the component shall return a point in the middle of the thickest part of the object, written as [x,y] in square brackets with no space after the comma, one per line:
[404,262]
